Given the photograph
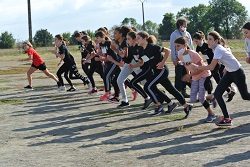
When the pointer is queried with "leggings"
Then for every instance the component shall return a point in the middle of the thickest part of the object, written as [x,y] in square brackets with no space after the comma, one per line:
[90,68]
[161,77]
[65,68]
[239,78]
[111,72]
[198,88]
[146,73]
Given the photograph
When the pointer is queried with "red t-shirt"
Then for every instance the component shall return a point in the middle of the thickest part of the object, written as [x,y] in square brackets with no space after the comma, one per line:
[36,58]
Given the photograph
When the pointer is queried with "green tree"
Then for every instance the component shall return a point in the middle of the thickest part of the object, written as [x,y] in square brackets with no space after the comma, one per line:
[227,17]
[66,36]
[91,34]
[6,40]
[43,38]
[167,26]
[197,17]
[151,27]
[131,22]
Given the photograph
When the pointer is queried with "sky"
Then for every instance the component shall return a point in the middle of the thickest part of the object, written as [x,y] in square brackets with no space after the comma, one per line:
[58,16]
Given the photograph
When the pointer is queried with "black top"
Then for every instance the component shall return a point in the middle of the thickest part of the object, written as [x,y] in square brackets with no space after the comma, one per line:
[106,49]
[68,58]
[88,49]
[123,46]
[153,54]
[133,53]
[205,50]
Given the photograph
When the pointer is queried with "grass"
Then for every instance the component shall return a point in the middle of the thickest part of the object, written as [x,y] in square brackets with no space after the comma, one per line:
[14,70]
[11,101]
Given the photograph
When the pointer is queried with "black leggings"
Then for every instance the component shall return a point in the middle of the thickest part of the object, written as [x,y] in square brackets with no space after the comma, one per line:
[238,77]
[111,73]
[217,74]
[66,68]
[161,77]
[90,68]
[144,74]
[180,71]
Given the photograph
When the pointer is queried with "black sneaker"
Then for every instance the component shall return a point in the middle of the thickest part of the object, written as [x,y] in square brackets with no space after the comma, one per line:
[147,103]
[171,108]
[159,110]
[71,89]
[230,96]
[224,122]
[59,84]
[185,95]
[123,104]
[188,109]
[28,87]
[114,100]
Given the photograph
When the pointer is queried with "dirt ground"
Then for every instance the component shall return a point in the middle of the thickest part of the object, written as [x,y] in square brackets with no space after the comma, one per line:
[45,127]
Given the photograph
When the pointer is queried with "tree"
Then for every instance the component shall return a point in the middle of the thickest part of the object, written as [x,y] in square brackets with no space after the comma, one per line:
[151,27]
[43,38]
[167,26]
[197,17]
[6,40]
[227,17]
[131,22]
[66,36]
[91,34]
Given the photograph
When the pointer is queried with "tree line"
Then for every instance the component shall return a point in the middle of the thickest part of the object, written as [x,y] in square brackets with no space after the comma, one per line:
[224,16]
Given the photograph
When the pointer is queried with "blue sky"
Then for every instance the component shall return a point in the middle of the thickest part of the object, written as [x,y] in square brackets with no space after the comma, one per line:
[70,15]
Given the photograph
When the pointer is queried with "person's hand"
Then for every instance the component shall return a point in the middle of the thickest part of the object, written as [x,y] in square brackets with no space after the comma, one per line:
[160,65]
[110,58]
[102,58]
[97,59]
[122,63]
[248,60]
[131,66]
[83,61]
[186,78]
[176,62]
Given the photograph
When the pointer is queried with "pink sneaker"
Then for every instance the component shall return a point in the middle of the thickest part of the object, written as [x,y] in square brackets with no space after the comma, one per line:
[105,97]
[134,95]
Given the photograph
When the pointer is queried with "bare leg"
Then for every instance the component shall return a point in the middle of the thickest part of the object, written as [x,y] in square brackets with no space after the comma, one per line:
[29,72]
[50,75]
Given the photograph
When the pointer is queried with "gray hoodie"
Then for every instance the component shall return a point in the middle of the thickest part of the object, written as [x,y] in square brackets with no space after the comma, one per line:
[176,34]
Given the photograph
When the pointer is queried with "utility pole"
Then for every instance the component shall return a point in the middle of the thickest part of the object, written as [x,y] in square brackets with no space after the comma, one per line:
[29,21]
[143,20]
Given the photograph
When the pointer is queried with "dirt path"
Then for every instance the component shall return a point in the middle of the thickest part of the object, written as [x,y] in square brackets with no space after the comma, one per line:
[47,128]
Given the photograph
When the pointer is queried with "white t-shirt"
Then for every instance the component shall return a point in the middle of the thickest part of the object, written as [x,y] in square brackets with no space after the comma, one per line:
[225,57]
[247,46]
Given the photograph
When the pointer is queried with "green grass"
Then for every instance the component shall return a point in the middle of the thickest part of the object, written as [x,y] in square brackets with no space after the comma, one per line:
[11,101]
[14,70]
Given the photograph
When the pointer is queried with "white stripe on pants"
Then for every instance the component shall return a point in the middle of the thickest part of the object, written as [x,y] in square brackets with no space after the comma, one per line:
[125,72]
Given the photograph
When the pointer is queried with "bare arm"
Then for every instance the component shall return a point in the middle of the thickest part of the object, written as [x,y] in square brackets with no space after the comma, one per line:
[210,66]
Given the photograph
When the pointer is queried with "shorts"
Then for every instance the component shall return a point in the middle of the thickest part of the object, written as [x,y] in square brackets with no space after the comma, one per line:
[41,67]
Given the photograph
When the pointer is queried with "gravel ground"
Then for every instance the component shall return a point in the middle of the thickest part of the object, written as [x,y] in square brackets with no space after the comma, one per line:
[45,127]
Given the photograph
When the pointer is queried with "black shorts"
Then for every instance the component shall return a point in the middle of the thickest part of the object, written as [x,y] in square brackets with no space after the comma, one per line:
[41,67]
